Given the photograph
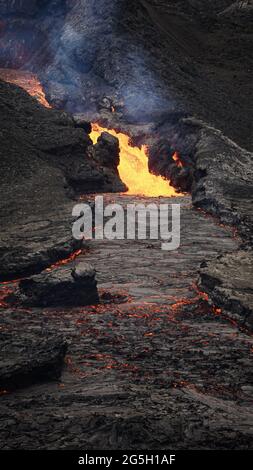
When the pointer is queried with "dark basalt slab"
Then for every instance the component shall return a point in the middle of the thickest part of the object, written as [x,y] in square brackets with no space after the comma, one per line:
[228,280]
[40,241]
[81,122]
[217,171]
[64,286]
[223,179]
[29,357]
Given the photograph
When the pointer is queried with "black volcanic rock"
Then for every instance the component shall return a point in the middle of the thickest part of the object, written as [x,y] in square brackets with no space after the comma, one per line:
[238,12]
[35,356]
[223,186]
[220,178]
[107,150]
[45,159]
[158,371]
[106,153]
[228,280]
[223,179]
[64,286]
[81,121]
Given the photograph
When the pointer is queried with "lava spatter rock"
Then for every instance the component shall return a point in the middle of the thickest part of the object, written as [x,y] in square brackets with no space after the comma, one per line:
[80,121]
[63,286]
[107,150]
[181,178]
[35,356]
[106,153]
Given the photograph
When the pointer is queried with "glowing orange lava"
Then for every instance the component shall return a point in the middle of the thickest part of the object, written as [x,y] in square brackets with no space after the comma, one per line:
[133,167]
[26,80]
[64,261]
[177,160]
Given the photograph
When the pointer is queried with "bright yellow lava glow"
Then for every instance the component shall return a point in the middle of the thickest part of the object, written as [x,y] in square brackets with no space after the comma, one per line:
[133,167]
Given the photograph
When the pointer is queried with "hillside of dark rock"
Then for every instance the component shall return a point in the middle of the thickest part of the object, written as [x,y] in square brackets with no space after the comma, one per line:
[143,57]
[46,159]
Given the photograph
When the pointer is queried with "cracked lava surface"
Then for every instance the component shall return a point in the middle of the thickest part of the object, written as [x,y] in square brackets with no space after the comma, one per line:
[155,365]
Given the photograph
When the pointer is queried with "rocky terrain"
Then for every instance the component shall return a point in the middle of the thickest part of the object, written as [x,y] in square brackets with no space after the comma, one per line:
[165,358]
[35,357]
[58,287]
[48,158]
[154,366]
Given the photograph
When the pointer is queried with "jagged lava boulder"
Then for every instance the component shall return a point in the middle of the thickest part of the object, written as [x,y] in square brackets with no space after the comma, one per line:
[107,150]
[107,154]
[64,286]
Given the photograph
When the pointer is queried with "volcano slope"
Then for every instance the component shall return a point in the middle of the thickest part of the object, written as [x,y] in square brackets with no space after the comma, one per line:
[144,57]
[156,364]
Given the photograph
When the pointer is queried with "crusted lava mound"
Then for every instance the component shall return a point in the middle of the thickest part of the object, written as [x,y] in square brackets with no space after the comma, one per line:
[64,286]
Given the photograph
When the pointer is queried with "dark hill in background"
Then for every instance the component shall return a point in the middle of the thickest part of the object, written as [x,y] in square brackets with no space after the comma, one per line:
[144,57]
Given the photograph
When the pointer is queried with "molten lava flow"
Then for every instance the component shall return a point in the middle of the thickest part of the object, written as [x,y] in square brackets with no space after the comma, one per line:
[64,261]
[26,80]
[133,167]
[177,160]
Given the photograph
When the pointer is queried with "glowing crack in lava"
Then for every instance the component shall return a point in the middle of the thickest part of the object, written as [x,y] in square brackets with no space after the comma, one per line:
[176,158]
[133,167]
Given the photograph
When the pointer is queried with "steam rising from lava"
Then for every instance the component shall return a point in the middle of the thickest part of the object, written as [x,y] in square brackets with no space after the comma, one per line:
[133,167]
